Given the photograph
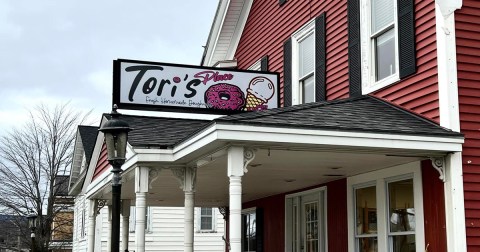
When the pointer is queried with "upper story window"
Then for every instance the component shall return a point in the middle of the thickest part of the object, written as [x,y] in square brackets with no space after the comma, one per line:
[387,39]
[303,64]
[379,37]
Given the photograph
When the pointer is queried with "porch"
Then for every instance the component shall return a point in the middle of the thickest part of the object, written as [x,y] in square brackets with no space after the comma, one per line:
[270,160]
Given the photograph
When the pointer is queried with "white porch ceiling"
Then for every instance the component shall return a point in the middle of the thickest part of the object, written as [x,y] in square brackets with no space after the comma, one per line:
[272,172]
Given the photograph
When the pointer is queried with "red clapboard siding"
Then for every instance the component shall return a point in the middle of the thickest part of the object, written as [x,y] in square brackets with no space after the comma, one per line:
[419,93]
[434,209]
[269,26]
[102,164]
[467,24]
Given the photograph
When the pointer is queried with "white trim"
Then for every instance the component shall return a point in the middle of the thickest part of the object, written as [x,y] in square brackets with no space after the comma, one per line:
[313,138]
[239,26]
[93,161]
[380,178]
[257,66]
[447,70]
[454,204]
[215,31]
[306,30]
[369,84]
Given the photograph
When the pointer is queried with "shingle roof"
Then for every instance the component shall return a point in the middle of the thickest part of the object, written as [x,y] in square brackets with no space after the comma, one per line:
[160,132]
[89,137]
[362,114]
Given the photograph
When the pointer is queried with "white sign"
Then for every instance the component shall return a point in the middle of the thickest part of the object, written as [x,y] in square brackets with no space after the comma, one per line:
[171,87]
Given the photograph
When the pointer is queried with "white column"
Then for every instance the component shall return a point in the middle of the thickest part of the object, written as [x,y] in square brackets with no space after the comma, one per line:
[125,224]
[454,204]
[92,213]
[109,241]
[189,215]
[189,189]
[141,190]
[235,173]
[447,66]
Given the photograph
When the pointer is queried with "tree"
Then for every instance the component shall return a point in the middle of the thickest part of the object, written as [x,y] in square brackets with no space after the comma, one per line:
[33,161]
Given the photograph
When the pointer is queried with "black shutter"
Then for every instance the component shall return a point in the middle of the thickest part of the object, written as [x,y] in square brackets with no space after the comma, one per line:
[264,63]
[354,51]
[282,2]
[406,38]
[287,73]
[320,58]
[259,232]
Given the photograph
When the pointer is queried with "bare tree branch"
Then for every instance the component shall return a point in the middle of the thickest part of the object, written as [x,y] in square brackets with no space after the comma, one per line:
[31,160]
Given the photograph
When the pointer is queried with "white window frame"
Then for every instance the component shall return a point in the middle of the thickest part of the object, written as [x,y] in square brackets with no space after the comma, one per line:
[322,193]
[380,179]
[198,214]
[132,220]
[305,31]
[369,83]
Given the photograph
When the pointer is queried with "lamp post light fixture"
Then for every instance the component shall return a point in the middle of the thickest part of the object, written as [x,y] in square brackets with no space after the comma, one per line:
[116,136]
[32,224]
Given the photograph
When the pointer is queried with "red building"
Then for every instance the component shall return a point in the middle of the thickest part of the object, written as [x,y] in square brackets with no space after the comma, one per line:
[374,147]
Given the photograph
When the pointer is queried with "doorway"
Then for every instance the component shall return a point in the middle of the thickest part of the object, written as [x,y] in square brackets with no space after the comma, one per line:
[305,221]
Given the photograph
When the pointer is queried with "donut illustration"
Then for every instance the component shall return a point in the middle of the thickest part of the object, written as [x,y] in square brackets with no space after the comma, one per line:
[224,96]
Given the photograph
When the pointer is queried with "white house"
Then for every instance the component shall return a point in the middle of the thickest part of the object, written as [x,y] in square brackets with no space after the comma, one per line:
[164,226]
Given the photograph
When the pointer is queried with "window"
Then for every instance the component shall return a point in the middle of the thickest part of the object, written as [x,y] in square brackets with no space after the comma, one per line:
[83,230]
[303,64]
[366,236]
[148,221]
[205,219]
[257,66]
[305,221]
[249,230]
[379,43]
[387,210]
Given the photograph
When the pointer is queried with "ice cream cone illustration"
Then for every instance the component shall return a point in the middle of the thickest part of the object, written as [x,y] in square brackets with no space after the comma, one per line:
[259,91]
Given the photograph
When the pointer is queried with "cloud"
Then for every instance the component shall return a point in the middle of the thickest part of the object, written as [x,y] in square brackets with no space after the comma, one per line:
[58,51]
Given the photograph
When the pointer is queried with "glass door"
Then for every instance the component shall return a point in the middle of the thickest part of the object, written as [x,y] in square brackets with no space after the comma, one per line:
[310,223]
[305,223]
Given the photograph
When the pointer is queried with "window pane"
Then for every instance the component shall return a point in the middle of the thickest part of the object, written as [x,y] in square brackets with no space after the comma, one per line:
[385,54]
[311,227]
[366,207]
[403,243]
[401,206]
[308,90]
[206,223]
[206,211]
[382,14]
[249,232]
[368,244]
[306,56]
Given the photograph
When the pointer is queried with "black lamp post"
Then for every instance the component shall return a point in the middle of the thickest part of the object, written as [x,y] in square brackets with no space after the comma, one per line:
[32,224]
[116,135]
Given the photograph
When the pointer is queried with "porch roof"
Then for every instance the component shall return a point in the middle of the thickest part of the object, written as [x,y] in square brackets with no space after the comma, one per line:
[310,144]
[362,114]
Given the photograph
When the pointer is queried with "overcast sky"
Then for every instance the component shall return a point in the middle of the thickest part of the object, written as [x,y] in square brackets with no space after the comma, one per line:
[55,51]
